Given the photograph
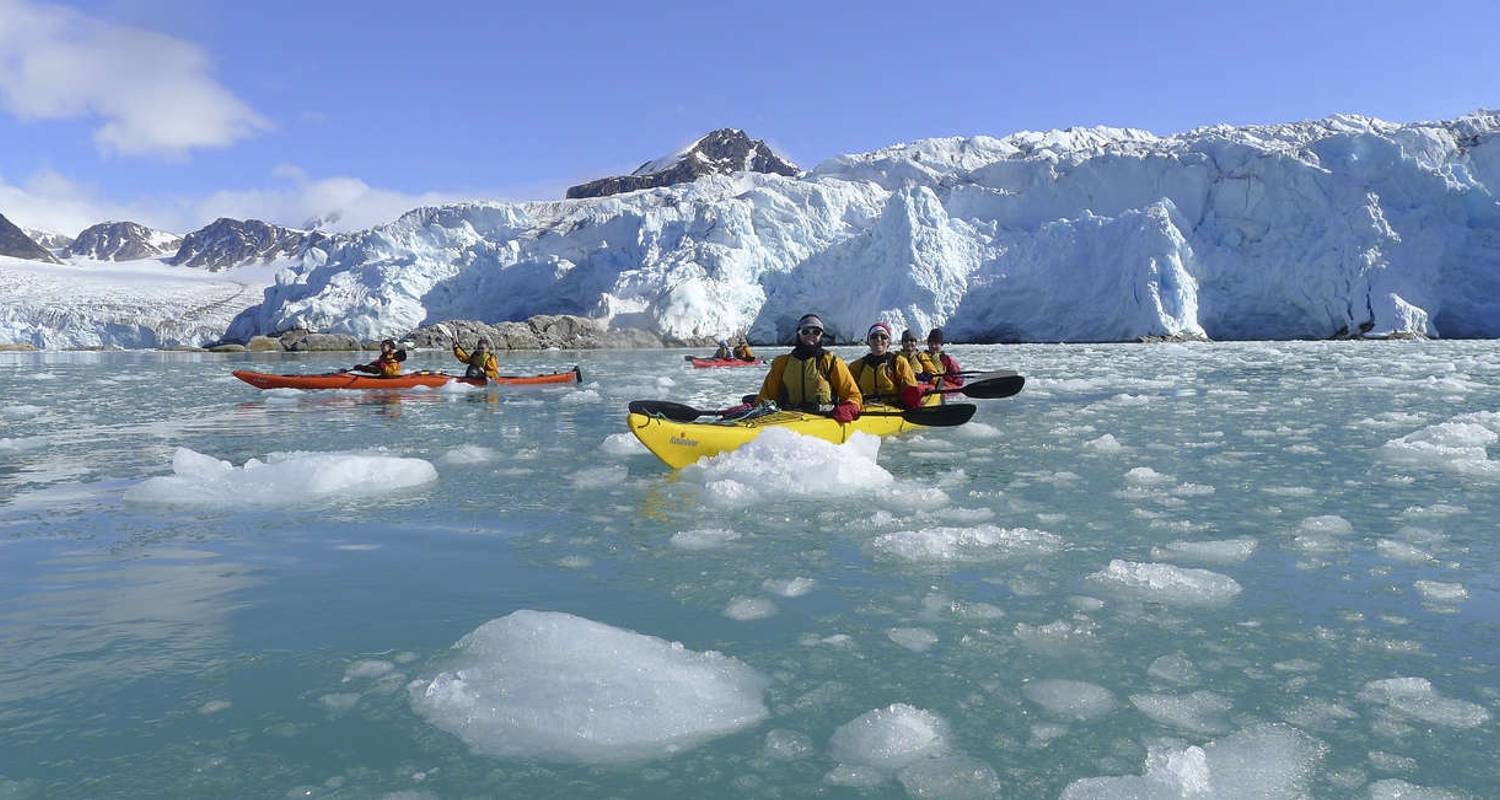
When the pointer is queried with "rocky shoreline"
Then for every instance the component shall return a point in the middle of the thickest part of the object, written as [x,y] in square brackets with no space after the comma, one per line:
[541,332]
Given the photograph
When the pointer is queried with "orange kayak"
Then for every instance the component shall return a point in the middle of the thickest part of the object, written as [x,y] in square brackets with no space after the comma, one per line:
[411,380]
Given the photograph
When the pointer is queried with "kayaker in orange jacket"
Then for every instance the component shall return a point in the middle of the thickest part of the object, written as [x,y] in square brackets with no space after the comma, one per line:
[742,350]
[939,366]
[882,375]
[812,379]
[482,363]
[385,365]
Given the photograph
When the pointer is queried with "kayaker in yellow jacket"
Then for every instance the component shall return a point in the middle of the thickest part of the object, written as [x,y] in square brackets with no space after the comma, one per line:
[882,375]
[482,363]
[910,352]
[939,366]
[742,350]
[810,378]
[385,365]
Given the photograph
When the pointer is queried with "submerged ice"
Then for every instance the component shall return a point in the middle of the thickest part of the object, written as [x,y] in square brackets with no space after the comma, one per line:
[555,687]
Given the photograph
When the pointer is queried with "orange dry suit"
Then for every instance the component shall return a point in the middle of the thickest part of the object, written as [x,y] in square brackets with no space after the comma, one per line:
[886,378]
[386,365]
[743,352]
[480,363]
[812,379]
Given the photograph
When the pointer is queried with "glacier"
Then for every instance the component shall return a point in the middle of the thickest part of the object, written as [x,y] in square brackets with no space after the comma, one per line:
[1343,226]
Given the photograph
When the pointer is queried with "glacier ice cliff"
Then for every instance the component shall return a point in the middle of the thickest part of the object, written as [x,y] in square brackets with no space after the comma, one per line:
[1347,225]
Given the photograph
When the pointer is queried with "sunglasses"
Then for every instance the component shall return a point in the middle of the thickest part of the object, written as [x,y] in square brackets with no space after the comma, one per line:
[880,336]
[811,331]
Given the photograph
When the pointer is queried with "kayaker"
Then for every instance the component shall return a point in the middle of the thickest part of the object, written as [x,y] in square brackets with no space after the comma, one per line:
[385,365]
[723,353]
[910,352]
[482,363]
[810,378]
[940,366]
[742,350]
[882,375]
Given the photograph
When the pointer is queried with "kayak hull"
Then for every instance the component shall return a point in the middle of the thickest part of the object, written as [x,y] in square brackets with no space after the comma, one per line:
[707,363]
[679,444]
[431,380]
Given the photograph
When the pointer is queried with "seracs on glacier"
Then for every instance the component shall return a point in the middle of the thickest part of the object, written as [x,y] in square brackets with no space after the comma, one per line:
[1307,230]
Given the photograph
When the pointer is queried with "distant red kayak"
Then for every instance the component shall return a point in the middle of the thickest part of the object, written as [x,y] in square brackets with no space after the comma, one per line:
[705,363]
[350,380]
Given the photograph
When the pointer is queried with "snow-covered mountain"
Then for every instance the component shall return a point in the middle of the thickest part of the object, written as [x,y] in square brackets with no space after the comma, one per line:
[123,241]
[16,243]
[1344,225]
[721,152]
[226,243]
[54,242]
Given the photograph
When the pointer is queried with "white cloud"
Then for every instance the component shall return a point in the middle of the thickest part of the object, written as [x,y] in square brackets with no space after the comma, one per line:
[154,94]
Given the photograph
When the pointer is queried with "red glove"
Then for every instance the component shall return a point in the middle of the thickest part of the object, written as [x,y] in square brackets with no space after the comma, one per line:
[845,413]
[736,410]
[911,396]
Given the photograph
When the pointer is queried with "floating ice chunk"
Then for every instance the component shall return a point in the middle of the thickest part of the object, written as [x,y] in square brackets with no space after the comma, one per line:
[955,777]
[789,587]
[283,478]
[1457,445]
[1331,524]
[210,707]
[785,745]
[1391,762]
[783,463]
[1070,699]
[703,538]
[1165,583]
[1146,476]
[1415,699]
[555,687]
[1199,712]
[599,477]
[581,396]
[21,443]
[20,411]
[575,562]
[745,609]
[1401,551]
[1439,592]
[1174,668]
[1221,551]
[366,669]
[1193,490]
[468,454]
[977,430]
[339,702]
[916,640]
[1395,789]
[966,545]
[1434,510]
[890,738]
[1262,762]
[665,382]
[1055,637]
[1104,444]
[856,776]
[622,444]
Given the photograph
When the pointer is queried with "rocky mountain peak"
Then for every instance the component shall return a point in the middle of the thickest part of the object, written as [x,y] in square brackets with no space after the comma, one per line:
[123,241]
[48,239]
[14,242]
[226,243]
[720,152]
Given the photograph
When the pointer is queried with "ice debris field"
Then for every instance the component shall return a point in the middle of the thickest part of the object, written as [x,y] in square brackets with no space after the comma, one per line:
[1168,571]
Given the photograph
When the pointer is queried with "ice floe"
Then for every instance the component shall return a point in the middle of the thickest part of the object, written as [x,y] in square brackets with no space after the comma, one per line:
[782,463]
[283,478]
[703,538]
[1165,583]
[744,609]
[966,545]
[1074,700]
[912,745]
[1221,551]
[1196,712]
[1263,762]
[1458,446]
[468,454]
[555,687]
[1415,699]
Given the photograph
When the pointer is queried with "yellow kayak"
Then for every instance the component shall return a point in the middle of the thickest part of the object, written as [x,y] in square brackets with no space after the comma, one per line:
[681,443]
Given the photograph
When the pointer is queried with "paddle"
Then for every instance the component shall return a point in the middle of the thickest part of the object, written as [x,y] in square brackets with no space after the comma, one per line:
[991,387]
[932,416]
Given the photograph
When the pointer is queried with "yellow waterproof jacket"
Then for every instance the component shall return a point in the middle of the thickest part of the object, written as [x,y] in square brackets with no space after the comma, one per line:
[797,382]
[884,381]
[384,365]
[479,360]
[743,351]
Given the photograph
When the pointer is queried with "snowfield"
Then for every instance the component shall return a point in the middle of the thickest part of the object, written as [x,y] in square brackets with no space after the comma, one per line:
[131,304]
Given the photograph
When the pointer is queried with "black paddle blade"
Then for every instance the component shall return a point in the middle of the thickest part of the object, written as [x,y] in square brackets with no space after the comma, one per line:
[676,412]
[944,416]
[994,388]
[400,355]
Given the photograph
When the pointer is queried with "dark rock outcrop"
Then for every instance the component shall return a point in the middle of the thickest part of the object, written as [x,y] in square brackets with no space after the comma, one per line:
[123,241]
[15,243]
[721,152]
[227,243]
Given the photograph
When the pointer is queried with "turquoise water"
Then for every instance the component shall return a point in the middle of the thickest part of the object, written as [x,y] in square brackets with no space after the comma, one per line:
[238,648]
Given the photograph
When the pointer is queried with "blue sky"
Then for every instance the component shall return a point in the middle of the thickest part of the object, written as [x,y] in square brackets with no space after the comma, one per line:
[173,112]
